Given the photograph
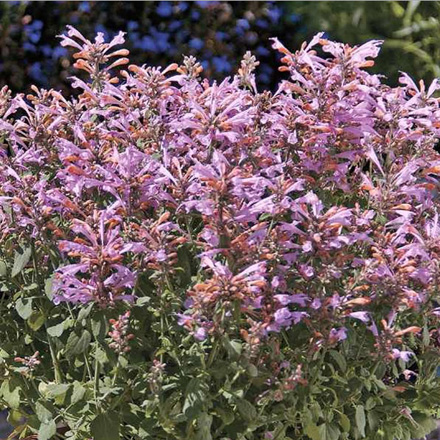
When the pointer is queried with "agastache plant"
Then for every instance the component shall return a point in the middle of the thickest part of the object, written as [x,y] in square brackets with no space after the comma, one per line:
[275,255]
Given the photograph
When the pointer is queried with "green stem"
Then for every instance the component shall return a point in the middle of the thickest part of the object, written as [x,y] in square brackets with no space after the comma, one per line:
[96,386]
[55,363]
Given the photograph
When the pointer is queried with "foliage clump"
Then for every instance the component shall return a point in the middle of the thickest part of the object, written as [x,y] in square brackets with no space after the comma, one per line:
[182,259]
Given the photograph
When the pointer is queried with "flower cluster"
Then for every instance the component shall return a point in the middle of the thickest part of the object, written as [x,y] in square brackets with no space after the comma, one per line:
[119,334]
[315,207]
[29,362]
[155,376]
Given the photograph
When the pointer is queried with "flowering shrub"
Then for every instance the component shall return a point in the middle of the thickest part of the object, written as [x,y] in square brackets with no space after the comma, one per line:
[191,260]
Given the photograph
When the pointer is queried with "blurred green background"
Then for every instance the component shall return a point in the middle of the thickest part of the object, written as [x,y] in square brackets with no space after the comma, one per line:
[217,33]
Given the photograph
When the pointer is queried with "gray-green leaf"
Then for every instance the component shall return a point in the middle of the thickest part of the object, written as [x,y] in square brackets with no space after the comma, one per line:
[43,414]
[56,330]
[24,307]
[360,419]
[20,261]
[247,410]
[47,430]
[78,344]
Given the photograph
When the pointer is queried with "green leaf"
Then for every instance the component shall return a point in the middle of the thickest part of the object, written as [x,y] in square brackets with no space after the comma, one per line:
[425,424]
[85,312]
[56,330]
[105,427]
[312,431]
[36,320]
[10,396]
[184,259]
[20,261]
[233,348]
[426,337]
[15,418]
[344,421]
[33,286]
[78,392]
[56,389]
[226,415]
[150,407]
[43,414]
[3,269]
[143,301]
[196,393]
[24,307]
[78,344]
[204,422]
[360,419]
[328,431]
[380,370]
[316,411]
[48,288]
[247,410]
[252,370]
[340,360]
[373,420]
[101,356]
[99,327]
[47,430]
[3,354]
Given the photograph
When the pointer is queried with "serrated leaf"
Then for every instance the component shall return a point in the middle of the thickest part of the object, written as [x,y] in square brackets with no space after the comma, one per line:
[47,430]
[20,261]
[105,427]
[360,419]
